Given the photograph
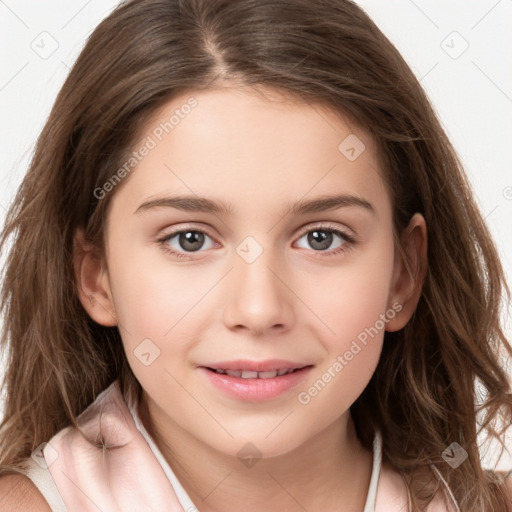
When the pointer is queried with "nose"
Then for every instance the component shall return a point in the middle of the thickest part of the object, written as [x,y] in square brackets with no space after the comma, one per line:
[258,298]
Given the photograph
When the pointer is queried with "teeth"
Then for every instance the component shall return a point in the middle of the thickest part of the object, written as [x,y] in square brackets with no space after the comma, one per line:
[234,373]
[249,375]
[246,374]
[267,375]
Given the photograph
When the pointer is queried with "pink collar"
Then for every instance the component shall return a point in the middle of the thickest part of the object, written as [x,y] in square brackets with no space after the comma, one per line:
[130,478]
[124,479]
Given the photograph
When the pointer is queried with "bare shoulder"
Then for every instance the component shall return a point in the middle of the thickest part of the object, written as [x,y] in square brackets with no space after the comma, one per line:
[507,477]
[18,493]
[393,494]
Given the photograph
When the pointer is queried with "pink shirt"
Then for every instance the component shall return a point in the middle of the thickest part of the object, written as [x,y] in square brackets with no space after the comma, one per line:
[74,475]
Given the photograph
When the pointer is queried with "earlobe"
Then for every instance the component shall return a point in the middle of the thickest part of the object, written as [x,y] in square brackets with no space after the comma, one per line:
[409,272]
[91,277]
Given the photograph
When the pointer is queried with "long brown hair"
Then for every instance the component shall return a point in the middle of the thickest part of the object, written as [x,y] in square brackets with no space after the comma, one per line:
[422,394]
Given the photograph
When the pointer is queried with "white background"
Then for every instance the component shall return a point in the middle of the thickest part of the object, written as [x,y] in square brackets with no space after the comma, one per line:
[461,51]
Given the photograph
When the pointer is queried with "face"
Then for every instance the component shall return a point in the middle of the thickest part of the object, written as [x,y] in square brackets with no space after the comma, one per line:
[262,277]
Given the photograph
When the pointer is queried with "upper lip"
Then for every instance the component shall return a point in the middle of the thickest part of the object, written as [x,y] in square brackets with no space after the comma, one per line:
[256,366]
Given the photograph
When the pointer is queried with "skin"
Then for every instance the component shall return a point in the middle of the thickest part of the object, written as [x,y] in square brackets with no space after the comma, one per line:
[258,152]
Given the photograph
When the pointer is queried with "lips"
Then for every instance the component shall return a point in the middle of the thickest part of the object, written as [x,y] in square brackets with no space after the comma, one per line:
[255,386]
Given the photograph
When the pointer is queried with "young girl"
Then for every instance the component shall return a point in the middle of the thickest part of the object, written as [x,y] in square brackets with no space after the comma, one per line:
[248,273]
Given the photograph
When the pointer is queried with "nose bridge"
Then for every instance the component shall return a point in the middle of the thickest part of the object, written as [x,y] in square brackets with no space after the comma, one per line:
[258,299]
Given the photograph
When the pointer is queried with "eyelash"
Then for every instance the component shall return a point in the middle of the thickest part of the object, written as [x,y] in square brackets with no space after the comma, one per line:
[349,241]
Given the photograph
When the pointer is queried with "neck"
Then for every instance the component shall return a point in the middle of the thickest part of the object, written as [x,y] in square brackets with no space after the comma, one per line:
[330,469]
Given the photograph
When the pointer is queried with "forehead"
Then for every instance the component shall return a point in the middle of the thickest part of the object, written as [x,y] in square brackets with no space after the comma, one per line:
[242,145]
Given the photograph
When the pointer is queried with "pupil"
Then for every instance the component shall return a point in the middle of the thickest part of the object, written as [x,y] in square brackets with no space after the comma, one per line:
[323,238]
[191,240]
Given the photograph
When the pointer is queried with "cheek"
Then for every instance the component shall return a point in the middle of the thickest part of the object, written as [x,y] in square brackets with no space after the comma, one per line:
[152,294]
[359,303]
[355,310]
[352,298]
[155,307]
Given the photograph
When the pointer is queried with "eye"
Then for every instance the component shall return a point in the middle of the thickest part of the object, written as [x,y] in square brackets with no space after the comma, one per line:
[178,243]
[184,242]
[321,239]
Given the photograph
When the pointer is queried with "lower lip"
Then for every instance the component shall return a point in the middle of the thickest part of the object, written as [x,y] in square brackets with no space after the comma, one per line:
[255,390]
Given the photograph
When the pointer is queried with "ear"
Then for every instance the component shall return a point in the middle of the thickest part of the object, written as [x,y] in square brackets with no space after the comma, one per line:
[92,281]
[407,282]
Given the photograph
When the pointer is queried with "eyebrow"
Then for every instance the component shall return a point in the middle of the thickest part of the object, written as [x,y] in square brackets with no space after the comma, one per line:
[205,205]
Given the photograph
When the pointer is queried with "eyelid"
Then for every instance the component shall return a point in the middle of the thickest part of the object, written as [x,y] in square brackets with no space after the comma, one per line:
[331,226]
[306,229]
[187,227]
[183,228]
